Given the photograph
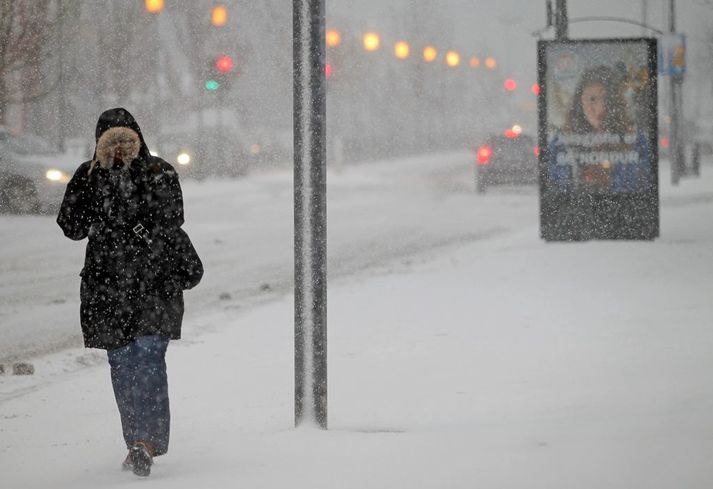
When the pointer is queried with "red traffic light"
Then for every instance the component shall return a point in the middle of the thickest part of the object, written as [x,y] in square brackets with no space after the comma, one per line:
[535,89]
[510,85]
[224,64]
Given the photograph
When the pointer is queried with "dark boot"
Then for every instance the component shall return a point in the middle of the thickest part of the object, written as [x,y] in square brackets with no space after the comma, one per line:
[142,458]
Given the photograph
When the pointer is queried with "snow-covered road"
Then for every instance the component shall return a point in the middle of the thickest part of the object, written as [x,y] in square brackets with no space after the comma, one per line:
[243,230]
[463,351]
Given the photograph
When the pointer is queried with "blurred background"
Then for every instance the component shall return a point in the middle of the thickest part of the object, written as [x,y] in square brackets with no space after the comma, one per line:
[211,82]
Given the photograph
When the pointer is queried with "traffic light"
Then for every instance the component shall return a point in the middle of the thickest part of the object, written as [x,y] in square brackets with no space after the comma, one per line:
[224,64]
[154,6]
[219,16]
[220,74]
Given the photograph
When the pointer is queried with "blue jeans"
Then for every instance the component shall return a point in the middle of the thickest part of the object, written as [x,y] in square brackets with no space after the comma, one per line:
[138,375]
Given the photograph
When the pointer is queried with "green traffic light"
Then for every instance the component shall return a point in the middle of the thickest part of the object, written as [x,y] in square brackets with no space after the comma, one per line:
[212,85]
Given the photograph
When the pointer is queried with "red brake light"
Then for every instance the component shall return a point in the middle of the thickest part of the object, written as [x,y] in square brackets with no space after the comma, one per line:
[510,133]
[536,150]
[484,154]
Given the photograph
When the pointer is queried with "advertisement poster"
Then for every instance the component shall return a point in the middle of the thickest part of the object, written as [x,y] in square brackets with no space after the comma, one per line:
[598,126]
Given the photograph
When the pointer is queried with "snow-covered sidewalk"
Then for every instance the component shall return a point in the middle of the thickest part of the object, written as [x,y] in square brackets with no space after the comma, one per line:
[506,362]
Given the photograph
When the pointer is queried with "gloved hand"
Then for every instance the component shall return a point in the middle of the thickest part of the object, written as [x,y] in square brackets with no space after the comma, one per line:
[120,195]
[120,182]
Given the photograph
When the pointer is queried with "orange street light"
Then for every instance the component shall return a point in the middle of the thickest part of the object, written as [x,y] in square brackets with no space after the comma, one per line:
[402,50]
[474,62]
[490,63]
[371,41]
[154,6]
[452,59]
[430,54]
[219,16]
[333,38]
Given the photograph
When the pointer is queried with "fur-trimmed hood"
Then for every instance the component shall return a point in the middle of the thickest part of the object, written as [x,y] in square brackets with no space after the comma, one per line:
[115,129]
[124,139]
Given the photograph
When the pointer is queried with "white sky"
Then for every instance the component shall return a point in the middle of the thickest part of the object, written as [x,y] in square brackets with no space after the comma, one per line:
[504,27]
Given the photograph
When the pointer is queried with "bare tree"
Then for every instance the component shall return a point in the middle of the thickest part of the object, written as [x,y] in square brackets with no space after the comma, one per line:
[26,33]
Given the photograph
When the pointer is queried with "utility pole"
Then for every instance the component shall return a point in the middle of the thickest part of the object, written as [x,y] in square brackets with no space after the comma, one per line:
[61,102]
[310,160]
[561,21]
[678,164]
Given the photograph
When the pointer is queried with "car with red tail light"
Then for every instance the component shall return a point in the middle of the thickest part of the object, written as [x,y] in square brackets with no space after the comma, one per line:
[506,159]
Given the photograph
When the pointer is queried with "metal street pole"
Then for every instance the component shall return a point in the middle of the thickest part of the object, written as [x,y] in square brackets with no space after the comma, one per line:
[677,163]
[310,212]
[62,102]
[561,20]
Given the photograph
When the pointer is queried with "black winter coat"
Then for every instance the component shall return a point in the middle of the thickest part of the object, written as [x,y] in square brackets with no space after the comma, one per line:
[127,288]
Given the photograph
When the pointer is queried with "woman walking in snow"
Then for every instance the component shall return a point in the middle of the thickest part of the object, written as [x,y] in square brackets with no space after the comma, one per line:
[138,262]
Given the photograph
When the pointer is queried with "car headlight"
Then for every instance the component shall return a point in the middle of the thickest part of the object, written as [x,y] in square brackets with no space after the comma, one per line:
[57,176]
[183,159]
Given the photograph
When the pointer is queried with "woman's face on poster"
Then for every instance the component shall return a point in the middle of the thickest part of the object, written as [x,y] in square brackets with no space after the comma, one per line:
[594,104]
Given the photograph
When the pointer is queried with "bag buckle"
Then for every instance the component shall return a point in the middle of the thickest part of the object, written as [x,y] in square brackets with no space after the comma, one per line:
[142,232]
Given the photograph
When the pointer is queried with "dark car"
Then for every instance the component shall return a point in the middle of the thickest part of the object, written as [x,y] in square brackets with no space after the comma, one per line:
[33,175]
[506,159]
